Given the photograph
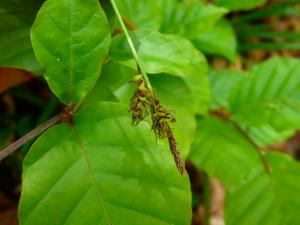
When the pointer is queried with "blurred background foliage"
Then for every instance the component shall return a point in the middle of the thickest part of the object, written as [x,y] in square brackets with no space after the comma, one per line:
[231,35]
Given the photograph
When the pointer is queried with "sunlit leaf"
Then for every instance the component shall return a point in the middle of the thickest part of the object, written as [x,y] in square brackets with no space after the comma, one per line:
[73,52]
[190,19]
[267,198]
[269,95]
[222,151]
[143,14]
[103,171]
[168,54]
[220,40]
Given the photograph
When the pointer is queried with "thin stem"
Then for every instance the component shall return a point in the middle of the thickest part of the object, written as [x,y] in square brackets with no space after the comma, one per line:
[255,145]
[27,137]
[131,45]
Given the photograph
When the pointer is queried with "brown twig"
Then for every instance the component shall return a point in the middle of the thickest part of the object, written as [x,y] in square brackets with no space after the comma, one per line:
[35,132]
[255,145]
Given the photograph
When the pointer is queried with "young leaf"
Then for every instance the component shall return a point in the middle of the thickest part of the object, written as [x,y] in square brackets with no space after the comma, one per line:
[235,5]
[102,171]
[168,54]
[190,19]
[222,152]
[16,19]
[270,95]
[267,198]
[220,40]
[70,40]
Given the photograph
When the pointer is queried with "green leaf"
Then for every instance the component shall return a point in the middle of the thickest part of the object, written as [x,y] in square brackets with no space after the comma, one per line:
[103,170]
[222,152]
[235,5]
[270,95]
[190,19]
[112,87]
[70,40]
[16,19]
[109,12]
[267,198]
[267,135]
[143,13]
[175,96]
[171,55]
[220,40]
[222,82]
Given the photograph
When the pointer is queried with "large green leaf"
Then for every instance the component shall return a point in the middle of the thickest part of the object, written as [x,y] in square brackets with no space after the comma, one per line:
[168,54]
[220,40]
[70,40]
[190,18]
[239,5]
[269,95]
[143,13]
[102,170]
[222,151]
[267,198]
[16,19]
[267,135]
[222,82]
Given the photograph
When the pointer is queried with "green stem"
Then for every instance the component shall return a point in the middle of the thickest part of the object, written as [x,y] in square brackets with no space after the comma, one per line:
[131,45]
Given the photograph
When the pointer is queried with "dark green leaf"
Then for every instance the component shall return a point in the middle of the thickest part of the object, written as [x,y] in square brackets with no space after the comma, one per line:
[16,19]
